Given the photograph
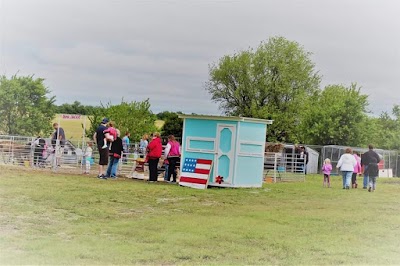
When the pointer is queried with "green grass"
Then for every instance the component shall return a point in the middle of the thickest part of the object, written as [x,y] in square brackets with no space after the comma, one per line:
[59,219]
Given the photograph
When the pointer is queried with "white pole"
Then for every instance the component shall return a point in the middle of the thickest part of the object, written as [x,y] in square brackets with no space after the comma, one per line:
[57,145]
[83,141]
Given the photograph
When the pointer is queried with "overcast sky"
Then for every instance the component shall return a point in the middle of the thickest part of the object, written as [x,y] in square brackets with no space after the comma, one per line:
[104,50]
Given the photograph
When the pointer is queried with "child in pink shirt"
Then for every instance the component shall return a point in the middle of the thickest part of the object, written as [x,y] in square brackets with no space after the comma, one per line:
[326,170]
[110,134]
[356,171]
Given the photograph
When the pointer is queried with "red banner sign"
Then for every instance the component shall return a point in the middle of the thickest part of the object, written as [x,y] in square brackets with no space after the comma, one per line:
[73,117]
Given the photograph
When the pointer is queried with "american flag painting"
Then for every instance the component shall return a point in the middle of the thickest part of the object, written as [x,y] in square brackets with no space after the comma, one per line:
[195,173]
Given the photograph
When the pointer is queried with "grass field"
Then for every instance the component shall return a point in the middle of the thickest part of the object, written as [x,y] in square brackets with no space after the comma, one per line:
[59,219]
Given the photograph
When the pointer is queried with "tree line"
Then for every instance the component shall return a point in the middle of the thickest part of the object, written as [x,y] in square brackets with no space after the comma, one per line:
[277,81]
[26,109]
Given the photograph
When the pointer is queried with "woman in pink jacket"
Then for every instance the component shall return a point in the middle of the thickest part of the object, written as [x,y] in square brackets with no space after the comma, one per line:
[172,154]
[356,171]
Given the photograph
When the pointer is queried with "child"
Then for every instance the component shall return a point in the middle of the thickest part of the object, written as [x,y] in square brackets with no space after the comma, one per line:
[88,157]
[326,169]
[166,166]
[109,134]
[356,171]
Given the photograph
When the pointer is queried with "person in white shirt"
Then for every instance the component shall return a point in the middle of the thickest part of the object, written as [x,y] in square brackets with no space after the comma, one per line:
[88,157]
[346,164]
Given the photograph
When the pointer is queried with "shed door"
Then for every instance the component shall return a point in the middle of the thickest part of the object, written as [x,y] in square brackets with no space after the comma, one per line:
[225,155]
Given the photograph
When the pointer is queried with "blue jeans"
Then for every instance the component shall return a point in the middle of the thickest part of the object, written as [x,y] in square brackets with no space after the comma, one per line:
[112,167]
[166,166]
[372,182]
[365,178]
[346,176]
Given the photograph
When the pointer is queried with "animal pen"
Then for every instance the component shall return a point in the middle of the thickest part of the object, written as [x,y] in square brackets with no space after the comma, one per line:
[20,151]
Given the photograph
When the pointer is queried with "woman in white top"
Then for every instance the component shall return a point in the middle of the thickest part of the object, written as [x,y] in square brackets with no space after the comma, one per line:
[346,163]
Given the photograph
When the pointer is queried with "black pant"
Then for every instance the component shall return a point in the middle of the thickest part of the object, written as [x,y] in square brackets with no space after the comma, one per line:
[153,172]
[354,179]
[37,156]
[171,168]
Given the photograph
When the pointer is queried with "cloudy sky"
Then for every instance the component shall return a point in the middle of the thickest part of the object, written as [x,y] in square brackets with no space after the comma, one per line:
[104,50]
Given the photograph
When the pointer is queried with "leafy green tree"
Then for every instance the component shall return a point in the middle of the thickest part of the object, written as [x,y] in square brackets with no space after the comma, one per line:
[173,125]
[25,108]
[384,131]
[272,82]
[76,108]
[135,117]
[337,117]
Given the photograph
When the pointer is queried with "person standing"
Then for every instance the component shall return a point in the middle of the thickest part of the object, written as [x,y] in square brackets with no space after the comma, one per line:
[326,170]
[39,146]
[356,171]
[368,157]
[143,145]
[88,157]
[373,173]
[154,151]
[115,155]
[125,146]
[172,154]
[303,159]
[346,163]
[98,138]
[58,142]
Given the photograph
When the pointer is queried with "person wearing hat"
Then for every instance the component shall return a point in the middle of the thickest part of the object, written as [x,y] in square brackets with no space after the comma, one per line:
[98,138]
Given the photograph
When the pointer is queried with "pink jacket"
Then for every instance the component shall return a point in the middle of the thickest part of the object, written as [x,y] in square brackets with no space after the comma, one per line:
[175,149]
[357,168]
[326,169]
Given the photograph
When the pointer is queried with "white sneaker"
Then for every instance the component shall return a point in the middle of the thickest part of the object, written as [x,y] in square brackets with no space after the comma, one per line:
[104,146]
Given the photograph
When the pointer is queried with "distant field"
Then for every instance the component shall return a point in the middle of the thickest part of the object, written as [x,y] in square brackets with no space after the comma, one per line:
[74,127]
[60,219]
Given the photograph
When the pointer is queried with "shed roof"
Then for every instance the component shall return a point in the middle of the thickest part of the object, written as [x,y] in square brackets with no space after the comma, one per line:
[228,118]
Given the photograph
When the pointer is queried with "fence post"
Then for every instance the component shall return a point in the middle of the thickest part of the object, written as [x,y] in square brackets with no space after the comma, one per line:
[275,166]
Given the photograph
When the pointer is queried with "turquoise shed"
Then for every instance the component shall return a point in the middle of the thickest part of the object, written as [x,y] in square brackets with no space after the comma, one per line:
[235,145]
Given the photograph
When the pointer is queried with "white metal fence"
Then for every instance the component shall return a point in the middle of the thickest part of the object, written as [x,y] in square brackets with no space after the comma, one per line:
[22,151]
[284,167]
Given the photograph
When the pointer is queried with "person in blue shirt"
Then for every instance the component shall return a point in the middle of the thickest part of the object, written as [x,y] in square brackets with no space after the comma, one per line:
[125,146]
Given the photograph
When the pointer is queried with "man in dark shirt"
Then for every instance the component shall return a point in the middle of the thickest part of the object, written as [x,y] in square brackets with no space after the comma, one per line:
[58,142]
[369,157]
[98,138]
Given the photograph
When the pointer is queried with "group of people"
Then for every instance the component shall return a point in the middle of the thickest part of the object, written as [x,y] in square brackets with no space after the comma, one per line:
[40,147]
[351,165]
[111,147]
[153,151]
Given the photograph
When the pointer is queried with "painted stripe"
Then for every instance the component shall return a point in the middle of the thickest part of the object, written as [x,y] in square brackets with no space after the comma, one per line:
[193,180]
[203,166]
[194,175]
[202,171]
[204,161]
[198,186]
